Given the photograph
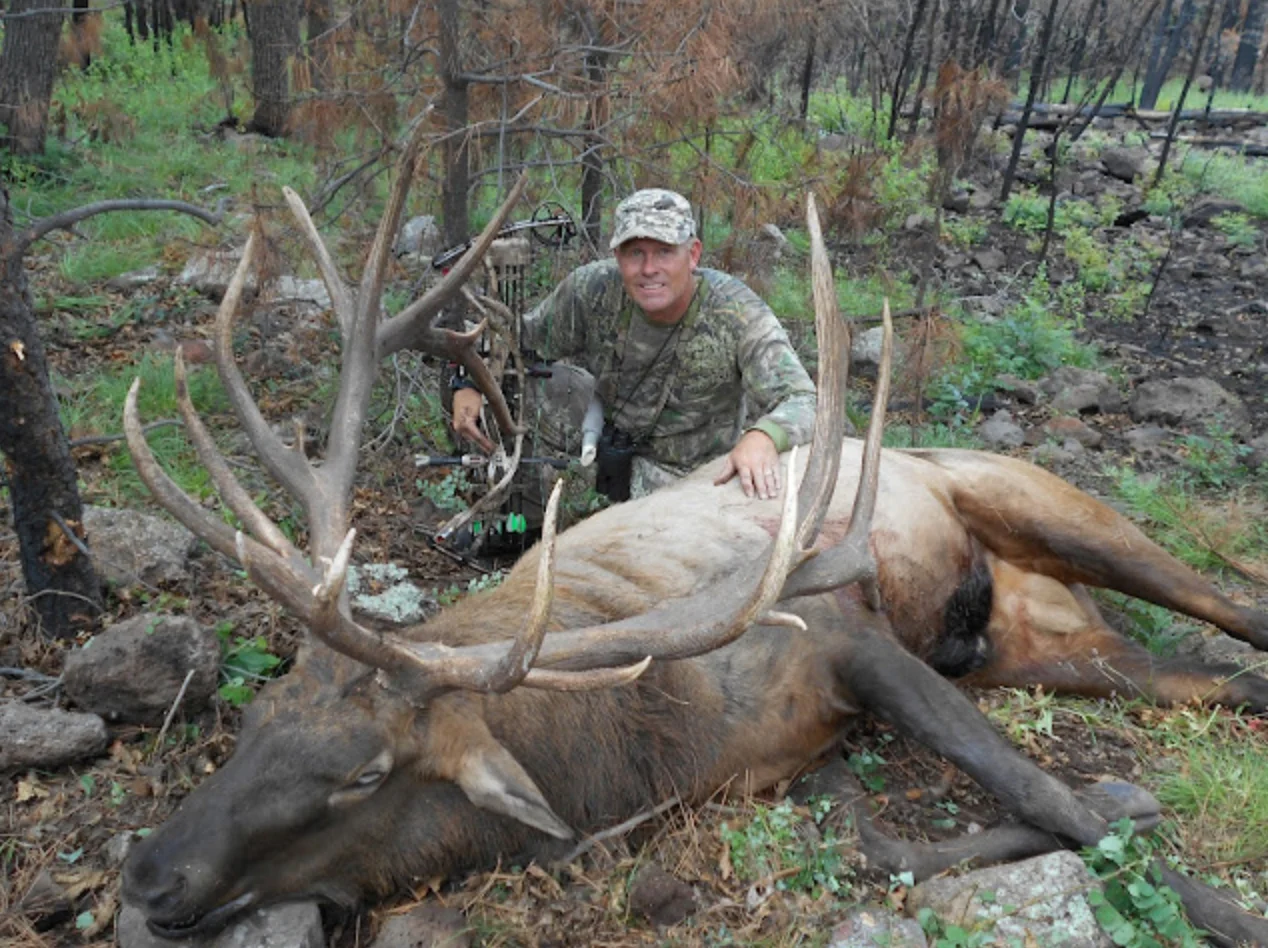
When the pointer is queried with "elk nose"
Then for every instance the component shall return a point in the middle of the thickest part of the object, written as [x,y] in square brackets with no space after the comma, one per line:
[157,887]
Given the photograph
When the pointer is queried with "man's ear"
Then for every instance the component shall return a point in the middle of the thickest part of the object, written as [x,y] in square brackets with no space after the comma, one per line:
[697,248]
[494,780]
[461,748]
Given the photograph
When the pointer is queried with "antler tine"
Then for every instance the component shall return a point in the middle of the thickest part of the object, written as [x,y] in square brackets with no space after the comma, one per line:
[851,560]
[421,672]
[226,484]
[340,299]
[290,468]
[681,628]
[413,327]
[286,578]
[833,333]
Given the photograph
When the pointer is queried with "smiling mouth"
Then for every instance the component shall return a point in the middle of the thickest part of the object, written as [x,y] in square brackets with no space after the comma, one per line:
[206,924]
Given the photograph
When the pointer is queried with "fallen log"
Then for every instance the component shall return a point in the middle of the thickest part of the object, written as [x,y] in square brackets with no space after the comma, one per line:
[1252,149]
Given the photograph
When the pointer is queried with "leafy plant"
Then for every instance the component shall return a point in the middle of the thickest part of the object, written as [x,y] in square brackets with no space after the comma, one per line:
[943,934]
[775,844]
[447,492]
[1238,229]
[1135,908]
[245,662]
[866,765]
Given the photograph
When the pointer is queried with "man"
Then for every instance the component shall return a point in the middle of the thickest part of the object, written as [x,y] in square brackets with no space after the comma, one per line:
[674,350]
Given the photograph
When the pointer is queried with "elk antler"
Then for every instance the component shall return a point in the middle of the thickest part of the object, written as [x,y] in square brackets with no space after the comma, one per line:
[707,620]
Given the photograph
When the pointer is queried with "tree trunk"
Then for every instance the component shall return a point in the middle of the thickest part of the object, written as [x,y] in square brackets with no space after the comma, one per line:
[1155,78]
[274,29]
[1036,80]
[899,91]
[1012,64]
[1248,46]
[28,64]
[320,22]
[807,74]
[592,161]
[456,110]
[39,469]
[1184,91]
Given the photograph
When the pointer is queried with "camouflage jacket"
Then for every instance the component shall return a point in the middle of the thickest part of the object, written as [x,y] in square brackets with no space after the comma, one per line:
[680,391]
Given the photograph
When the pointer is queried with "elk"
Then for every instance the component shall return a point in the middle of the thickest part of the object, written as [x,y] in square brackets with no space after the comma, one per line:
[665,646]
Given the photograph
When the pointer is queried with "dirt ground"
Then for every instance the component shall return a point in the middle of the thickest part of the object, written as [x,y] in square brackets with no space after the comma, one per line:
[62,831]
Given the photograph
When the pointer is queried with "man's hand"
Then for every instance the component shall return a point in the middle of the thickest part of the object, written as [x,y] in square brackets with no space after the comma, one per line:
[754,458]
[466,417]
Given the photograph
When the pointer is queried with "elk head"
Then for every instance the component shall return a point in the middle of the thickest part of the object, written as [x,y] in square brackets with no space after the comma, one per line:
[371,761]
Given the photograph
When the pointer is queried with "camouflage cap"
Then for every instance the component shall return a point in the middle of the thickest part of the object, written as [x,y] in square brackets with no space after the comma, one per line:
[656,213]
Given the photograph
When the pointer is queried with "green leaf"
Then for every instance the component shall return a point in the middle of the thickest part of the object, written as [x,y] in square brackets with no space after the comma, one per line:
[83,920]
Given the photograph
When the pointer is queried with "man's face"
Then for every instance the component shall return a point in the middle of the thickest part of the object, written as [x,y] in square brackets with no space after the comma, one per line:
[658,276]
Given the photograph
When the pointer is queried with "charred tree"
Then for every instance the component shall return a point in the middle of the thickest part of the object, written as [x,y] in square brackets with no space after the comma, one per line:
[1036,81]
[1157,74]
[1248,46]
[28,64]
[1184,91]
[899,92]
[456,112]
[43,488]
[273,26]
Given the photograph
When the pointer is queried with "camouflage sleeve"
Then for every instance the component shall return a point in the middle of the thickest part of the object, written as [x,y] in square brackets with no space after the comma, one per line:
[560,326]
[775,381]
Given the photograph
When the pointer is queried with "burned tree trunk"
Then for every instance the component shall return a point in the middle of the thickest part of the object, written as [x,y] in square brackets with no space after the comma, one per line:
[1248,46]
[28,64]
[1188,81]
[44,493]
[1157,74]
[274,32]
[456,112]
[1036,80]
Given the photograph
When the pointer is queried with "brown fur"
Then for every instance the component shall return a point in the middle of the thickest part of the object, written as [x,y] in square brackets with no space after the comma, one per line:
[288,817]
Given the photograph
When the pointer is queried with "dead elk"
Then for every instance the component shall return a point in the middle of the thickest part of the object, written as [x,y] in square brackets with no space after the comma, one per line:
[496,729]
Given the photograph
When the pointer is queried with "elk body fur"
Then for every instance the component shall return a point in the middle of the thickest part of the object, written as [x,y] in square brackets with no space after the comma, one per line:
[272,823]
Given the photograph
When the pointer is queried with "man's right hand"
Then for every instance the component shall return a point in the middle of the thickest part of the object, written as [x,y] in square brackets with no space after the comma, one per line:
[466,417]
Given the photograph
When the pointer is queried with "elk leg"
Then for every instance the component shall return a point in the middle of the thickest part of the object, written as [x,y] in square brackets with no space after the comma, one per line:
[1007,843]
[1040,523]
[892,683]
[1043,632]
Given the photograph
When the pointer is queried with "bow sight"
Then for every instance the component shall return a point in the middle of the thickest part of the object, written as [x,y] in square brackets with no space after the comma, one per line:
[550,225]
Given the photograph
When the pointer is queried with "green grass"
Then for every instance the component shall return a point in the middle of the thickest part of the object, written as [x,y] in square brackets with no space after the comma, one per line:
[94,405]
[160,106]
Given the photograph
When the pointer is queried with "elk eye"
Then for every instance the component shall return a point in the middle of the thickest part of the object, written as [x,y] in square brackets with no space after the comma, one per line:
[369,778]
[366,781]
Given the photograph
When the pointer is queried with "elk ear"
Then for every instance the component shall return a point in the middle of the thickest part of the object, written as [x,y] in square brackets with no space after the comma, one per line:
[494,780]
[462,749]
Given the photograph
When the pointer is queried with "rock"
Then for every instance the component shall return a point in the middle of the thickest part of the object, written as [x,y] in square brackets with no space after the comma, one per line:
[1258,456]
[1081,391]
[1188,402]
[1064,429]
[1038,901]
[129,547]
[957,201]
[428,925]
[989,260]
[1049,454]
[1126,164]
[1254,269]
[771,235]
[134,280]
[659,897]
[834,781]
[1219,648]
[290,289]
[47,738]
[287,925]
[419,235]
[209,272]
[916,222]
[865,349]
[1205,211]
[1025,392]
[981,200]
[872,927]
[1000,431]
[835,142]
[1149,440]
[133,670]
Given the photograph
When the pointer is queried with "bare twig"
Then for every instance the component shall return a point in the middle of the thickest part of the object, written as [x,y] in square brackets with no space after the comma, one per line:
[171,712]
[107,439]
[620,829]
[68,219]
